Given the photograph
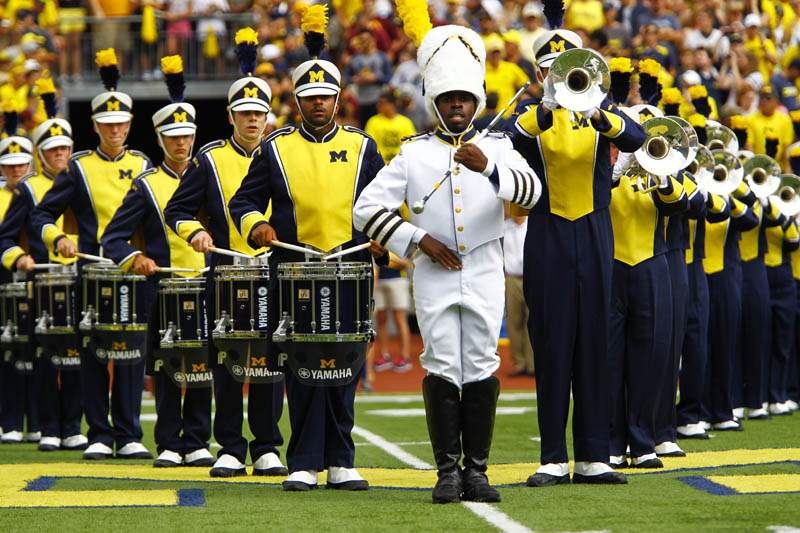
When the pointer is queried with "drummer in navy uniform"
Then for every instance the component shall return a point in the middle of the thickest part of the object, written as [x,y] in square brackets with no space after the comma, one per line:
[181,435]
[213,176]
[458,277]
[60,393]
[92,188]
[19,400]
[312,174]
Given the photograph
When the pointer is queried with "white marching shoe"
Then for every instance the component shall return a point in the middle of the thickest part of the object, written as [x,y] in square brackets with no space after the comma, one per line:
[49,444]
[669,449]
[300,481]
[75,442]
[98,450]
[728,425]
[692,431]
[778,409]
[168,459]
[345,479]
[201,457]
[33,436]
[11,437]
[228,466]
[269,465]
[791,405]
[758,414]
[738,413]
[134,450]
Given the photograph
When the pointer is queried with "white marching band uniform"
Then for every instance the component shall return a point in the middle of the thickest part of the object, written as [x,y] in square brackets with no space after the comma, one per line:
[460,325]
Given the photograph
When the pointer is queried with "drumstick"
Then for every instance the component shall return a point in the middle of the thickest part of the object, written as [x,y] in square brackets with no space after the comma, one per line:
[229,253]
[43,266]
[294,248]
[91,257]
[347,251]
[169,270]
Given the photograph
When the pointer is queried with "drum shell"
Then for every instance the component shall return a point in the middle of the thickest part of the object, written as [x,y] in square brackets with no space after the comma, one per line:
[119,300]
[17,312]
[56,295]
[182,305]
[242,293]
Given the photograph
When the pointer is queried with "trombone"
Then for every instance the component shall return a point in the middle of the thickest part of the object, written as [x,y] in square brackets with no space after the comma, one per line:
[763,175]
[787,198]
[665,152]
[701,168]
[726,175]
[581,79]
[721,137]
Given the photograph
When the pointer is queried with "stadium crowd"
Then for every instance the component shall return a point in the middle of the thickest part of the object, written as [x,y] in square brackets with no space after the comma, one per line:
[733,48]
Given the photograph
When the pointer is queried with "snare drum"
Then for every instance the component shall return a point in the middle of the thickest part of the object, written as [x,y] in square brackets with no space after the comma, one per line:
[325,302]
[17,312]
[55,301]
[241,302]
[113,300]
[182,313]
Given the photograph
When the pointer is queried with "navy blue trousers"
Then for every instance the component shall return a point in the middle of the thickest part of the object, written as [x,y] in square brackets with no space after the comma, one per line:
[783,300]
[264,409]
[60,409]
[793,386]
[725,312]
[640,347]
[181,427]
[567,284]
[126,400]
[666,415]
[694,357]
[322,419]
[20,399]
[753,348]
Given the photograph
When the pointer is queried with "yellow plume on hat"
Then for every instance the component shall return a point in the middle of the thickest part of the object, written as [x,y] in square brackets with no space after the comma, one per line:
[650,66]
[697,120]
[416,18]
[671,96]
[315,19]
[106,58]
[620,64]
[246,36]
[172,64]
[738,122]
[45,86]
[8,104]
[697,91]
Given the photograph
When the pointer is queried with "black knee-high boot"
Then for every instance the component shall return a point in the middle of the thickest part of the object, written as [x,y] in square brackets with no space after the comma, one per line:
[478,405]
[443,413]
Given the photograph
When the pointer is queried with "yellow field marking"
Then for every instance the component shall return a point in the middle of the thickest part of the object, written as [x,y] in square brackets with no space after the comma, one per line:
[15,478]
[760,483]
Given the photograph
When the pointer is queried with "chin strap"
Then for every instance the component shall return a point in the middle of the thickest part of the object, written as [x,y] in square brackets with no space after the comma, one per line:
[307,123]
[236,130]
[166,152]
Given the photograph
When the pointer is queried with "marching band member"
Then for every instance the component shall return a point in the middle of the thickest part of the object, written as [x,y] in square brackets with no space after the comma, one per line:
[213,176]
[92,187]
[781,241]
[460,273]
[19,394]
[568,268]
[723,268]
[311,175]
[60,397]
[794,369]
[641,322]
[181,434]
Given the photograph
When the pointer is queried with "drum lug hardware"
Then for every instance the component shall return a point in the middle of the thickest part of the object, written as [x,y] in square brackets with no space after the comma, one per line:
[222,323]
[338,324]
[87,319]
[313,326]
[8,332]
[252,324]
[168,338]
[281,332]
[42,325]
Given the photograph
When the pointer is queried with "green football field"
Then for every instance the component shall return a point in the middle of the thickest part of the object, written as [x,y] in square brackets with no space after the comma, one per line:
[744,481]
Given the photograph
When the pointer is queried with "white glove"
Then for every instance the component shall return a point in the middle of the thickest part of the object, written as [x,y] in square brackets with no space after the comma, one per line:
[548,98]
[663,181]
[764,202]
[704,193]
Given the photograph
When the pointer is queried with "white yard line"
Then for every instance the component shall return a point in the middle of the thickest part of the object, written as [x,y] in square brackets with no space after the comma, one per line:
[498,519]
[490,514]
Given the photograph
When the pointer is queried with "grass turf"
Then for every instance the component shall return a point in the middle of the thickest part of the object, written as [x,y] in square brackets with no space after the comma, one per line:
[652,501]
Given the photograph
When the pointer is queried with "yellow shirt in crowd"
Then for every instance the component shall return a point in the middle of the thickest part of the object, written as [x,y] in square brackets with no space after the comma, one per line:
[504,80]
[779,125]
[389,132]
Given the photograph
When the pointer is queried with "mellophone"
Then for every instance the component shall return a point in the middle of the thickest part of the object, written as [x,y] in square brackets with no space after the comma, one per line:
[324,320]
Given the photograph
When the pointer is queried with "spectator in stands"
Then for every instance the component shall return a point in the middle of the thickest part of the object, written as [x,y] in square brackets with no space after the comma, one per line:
[759,45]
[770,124]
[786,85]
[703,35]
[647,44]
[211,34]
[408,82]
[502,77]
[586,15]
[513,40]
[71,26]
[367,72]
[516,308]
[530,30]
[618,37]
[393,295]
[179,28]
[108,32]
[634,14]
[389,127]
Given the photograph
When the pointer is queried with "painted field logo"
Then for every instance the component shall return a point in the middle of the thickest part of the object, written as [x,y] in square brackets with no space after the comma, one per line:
[325,308]
[263,307]
[124,301]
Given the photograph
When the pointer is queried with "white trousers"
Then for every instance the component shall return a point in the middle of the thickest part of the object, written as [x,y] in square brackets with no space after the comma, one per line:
[459,314]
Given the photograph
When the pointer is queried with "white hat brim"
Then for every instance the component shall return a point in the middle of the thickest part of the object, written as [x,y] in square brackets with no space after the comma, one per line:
[16,159]
[112,117]
[56,142]
[250,106]
[179,132]
[316,91]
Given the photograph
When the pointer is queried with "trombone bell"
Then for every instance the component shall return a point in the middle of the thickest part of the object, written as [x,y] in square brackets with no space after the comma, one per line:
[787,199]
[666,147]
[763,175]
[727,173]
